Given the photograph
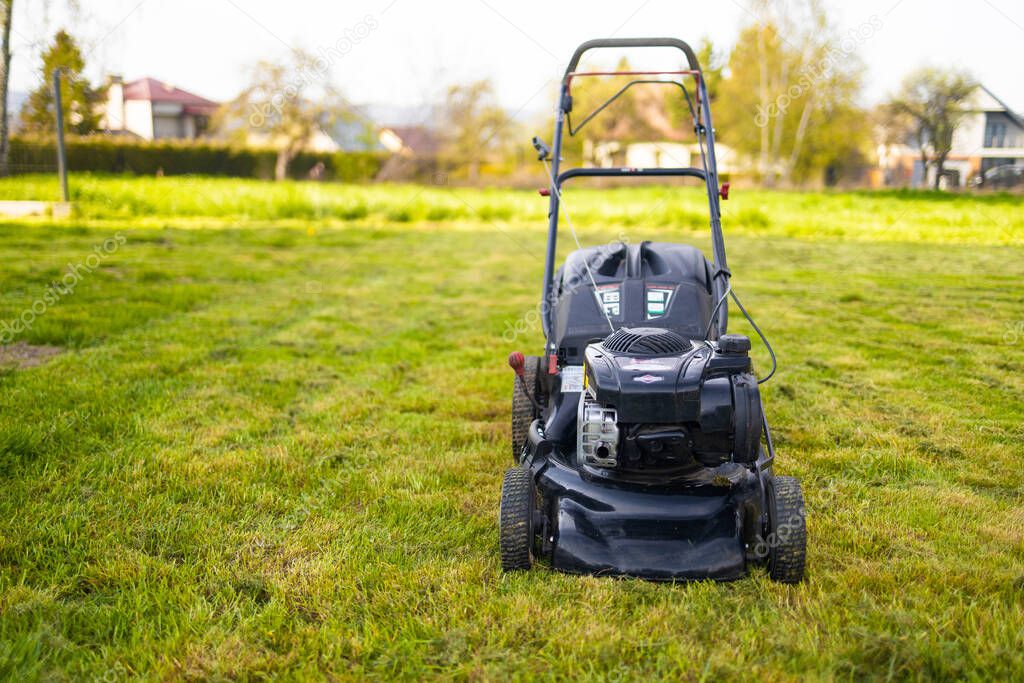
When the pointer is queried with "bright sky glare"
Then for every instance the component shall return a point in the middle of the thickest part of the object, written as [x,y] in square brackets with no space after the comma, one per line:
[403,52]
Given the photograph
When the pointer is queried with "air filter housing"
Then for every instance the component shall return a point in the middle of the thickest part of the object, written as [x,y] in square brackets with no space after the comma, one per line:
[646,341]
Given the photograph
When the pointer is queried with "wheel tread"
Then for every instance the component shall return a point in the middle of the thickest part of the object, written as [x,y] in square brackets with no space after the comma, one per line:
[523,412]
[515,523]
[788,555]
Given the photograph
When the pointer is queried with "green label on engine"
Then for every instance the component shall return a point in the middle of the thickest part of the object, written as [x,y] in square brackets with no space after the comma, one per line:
[657,301]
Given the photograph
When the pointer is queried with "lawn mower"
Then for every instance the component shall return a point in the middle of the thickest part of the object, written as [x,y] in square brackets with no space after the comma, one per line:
[640,443]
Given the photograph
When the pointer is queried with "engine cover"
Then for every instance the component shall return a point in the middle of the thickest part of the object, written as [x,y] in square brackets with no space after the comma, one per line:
[650,283]
[676,401]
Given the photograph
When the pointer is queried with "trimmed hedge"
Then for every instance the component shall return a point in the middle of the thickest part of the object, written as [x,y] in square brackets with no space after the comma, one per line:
[98,154]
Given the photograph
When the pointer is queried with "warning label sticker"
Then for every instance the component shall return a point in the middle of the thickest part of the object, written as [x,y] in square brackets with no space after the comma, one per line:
[609,298]
[572,378]
[657,301]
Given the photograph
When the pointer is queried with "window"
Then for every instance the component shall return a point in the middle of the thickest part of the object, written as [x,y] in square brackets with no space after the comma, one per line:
[995,134]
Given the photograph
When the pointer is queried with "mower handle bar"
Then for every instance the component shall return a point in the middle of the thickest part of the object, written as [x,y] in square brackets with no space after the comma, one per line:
[619,172]
[709,174]
[691,57]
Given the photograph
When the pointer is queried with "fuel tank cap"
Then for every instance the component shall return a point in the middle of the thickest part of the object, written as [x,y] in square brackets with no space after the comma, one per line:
[734,343]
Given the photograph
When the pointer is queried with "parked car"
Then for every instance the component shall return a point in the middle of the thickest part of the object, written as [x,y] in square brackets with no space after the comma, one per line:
[1001,177]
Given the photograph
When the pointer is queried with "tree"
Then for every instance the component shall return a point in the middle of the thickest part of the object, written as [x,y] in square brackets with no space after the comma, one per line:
[790,100]
[933,101]
[286,105]
[6,15]
[79,100]
[712,64]
[474,126]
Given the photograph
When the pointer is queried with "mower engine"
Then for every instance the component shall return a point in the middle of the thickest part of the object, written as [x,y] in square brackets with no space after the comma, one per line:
[656,403]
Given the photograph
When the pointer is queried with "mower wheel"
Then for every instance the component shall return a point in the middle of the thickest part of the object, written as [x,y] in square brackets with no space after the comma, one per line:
[523,410]
[516,519]
[787,535]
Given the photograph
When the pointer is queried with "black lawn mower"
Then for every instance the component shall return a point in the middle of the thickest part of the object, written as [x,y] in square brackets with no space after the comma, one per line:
[640,440]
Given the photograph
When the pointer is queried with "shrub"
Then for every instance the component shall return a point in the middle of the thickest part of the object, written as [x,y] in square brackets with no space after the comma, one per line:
[100,154]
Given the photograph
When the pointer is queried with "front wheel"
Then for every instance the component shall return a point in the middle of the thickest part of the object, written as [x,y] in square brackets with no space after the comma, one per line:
[787,533]
[516,519]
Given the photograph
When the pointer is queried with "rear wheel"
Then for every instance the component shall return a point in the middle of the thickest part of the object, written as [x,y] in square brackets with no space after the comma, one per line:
[516,519]
[787,535]
[523,410]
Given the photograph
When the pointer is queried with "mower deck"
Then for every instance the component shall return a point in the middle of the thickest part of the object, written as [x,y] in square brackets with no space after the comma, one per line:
[650,532]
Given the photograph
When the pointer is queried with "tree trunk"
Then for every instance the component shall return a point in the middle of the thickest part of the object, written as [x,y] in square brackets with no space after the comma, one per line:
[924,160]
[776,149]
[763,92]
[940,163]
[6,16]
[284,158]
[798,139]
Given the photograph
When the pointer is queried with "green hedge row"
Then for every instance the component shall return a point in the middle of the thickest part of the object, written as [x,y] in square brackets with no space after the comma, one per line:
[112,155]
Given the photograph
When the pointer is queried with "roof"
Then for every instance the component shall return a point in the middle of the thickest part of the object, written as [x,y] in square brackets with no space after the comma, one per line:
[419,139]
[157,91]
[1000,105]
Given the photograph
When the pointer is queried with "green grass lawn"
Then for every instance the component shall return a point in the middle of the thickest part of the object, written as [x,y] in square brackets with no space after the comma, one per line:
[273,439]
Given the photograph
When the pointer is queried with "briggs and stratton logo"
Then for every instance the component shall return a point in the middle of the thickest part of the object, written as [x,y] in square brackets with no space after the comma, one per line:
[649,379]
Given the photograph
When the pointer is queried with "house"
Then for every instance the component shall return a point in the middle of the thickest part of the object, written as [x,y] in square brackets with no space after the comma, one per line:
[360,132]
[990,134]
[649,138]
[663,154]
[154,110]
[411,140]
[675,154]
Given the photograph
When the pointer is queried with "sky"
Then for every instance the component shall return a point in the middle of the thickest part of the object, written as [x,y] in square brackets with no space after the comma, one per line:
[404,52]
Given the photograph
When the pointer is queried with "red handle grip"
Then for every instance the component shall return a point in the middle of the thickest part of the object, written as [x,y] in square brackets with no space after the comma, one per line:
[517,361]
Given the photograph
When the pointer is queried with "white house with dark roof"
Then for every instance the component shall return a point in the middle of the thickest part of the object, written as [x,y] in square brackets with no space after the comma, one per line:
[991,134]
[154,110]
